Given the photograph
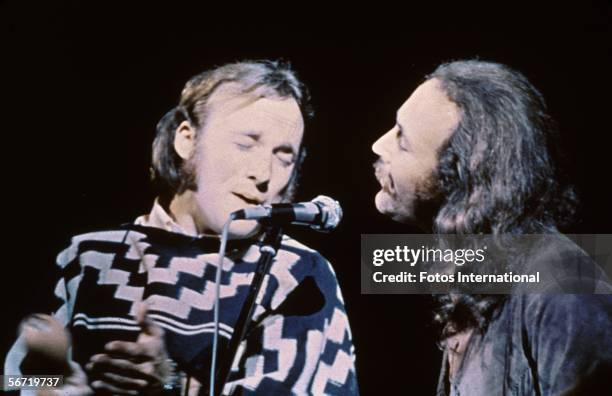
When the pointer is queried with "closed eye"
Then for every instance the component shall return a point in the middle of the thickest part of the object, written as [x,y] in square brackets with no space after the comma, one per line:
[401,139]
[286,155]
[286,159]
[243,146]
[244,142]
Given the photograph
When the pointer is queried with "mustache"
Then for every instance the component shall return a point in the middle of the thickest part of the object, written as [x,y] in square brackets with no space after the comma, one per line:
[383,176]
[378,165]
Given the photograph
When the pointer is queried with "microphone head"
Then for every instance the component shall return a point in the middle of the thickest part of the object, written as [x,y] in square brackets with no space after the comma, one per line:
[331,213]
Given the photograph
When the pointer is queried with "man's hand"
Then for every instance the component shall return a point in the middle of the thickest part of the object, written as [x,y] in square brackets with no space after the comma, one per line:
[133,368]
[47,343]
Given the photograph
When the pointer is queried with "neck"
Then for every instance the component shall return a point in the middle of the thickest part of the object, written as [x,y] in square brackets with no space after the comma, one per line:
[183,212]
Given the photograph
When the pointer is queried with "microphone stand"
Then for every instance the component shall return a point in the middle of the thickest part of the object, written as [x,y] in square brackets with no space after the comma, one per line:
[268,249]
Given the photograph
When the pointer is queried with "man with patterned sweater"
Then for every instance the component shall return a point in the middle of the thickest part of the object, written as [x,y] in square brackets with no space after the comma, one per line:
[138,300]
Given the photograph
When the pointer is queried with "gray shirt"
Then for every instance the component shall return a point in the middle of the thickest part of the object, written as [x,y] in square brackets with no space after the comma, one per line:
[559,342]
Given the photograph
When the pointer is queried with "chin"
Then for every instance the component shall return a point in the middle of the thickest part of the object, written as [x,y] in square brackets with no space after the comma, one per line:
[387,206]
[384,203]
[241,229]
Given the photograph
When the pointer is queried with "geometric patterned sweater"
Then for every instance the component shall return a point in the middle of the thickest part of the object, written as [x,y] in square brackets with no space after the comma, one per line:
[299,341]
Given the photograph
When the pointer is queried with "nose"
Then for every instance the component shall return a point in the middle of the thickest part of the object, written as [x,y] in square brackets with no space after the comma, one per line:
[380,147]
[260,171]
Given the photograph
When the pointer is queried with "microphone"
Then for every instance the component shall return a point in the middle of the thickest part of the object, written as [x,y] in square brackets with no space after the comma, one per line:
[321,214]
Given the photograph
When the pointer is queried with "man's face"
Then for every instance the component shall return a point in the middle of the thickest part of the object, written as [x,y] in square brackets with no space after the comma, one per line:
[409,153]
[245,157]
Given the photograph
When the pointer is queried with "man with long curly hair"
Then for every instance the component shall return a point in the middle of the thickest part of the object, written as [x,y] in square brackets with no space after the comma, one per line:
[473,151]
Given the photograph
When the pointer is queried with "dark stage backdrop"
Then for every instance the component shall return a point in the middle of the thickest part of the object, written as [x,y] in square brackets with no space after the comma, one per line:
[83,88]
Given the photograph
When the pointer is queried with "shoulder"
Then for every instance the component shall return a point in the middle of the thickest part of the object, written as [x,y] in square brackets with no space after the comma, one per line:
[98,243]
[310,261]
[567,313]
[309,267]
[538,304]
[565,267]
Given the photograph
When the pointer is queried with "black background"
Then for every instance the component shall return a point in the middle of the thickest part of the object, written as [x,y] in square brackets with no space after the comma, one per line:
[83,88]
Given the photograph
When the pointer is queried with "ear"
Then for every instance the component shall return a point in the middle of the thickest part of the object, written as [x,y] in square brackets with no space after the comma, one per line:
[185,140]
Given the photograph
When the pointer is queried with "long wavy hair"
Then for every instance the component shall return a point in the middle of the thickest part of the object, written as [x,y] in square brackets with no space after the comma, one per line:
[499,172]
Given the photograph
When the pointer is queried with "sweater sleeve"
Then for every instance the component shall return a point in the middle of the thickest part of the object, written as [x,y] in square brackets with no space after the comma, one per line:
[64,294]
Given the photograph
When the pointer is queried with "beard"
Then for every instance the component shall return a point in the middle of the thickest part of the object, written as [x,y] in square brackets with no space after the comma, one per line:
[416,202]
